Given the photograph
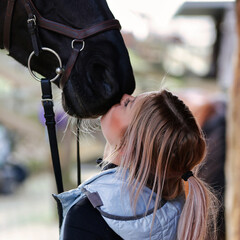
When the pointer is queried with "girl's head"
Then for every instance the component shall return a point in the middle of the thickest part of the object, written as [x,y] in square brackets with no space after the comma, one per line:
[157,138]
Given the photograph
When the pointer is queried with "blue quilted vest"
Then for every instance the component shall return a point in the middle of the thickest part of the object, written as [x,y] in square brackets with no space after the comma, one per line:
[108,192]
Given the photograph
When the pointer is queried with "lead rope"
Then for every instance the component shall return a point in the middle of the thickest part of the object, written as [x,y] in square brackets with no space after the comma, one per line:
[78,154]
[50,122]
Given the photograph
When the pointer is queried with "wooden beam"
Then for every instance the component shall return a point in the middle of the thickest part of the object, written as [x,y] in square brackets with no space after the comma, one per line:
[232,168]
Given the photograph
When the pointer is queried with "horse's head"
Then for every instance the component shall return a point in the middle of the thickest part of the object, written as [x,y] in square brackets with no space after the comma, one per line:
[102,72]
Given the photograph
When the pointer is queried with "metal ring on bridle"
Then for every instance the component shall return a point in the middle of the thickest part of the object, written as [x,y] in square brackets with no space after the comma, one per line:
[77,40]
[47,50]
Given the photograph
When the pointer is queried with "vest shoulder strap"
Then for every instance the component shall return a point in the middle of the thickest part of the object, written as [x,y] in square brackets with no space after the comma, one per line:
[96,202]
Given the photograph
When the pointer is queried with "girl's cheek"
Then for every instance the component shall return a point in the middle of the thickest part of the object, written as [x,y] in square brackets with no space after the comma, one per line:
[116,124]
[110,124]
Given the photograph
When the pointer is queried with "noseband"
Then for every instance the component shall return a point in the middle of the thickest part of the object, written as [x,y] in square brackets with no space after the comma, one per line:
[35,20]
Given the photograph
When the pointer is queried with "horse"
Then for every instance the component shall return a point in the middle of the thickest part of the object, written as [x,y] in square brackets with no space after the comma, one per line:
[101,71]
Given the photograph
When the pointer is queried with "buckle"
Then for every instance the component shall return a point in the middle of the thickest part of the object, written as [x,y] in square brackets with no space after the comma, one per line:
[33,19]
[46,100]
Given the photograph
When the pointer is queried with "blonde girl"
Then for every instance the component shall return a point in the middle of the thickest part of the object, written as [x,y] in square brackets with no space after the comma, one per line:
[153,145]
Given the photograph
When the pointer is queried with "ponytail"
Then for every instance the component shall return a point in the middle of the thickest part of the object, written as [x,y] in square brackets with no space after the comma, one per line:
[198,218]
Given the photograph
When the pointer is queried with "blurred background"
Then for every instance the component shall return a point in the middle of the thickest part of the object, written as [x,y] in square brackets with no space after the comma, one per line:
[187,47]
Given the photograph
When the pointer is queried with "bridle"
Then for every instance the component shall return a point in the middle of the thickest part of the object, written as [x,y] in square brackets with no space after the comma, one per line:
[34,21]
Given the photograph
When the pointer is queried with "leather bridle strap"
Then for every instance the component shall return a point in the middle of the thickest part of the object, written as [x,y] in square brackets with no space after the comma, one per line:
[7,23]
[69,67]
[49,115]
[33,29]
[79,34]
[72,32]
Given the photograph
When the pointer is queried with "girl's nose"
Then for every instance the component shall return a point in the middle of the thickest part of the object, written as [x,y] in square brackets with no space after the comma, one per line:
[125,97]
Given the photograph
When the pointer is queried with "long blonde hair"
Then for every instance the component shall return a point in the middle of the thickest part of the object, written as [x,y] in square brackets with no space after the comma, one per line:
[162,142]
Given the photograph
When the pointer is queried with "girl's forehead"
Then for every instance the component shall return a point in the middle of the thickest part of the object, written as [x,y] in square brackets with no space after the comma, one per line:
[144,95]
[139,99]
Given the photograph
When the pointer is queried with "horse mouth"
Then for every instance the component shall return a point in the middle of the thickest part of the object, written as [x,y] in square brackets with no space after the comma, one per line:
[74,110]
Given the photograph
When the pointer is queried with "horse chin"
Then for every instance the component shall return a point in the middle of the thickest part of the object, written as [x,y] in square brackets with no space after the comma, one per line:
[78,111]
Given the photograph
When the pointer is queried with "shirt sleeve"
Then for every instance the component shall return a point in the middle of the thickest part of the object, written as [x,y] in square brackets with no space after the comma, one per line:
[86,223]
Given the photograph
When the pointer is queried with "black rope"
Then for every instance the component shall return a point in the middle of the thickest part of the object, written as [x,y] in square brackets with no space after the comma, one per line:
[78,154]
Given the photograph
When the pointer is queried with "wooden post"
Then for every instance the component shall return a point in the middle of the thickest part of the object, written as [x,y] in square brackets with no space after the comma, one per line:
[232,168]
